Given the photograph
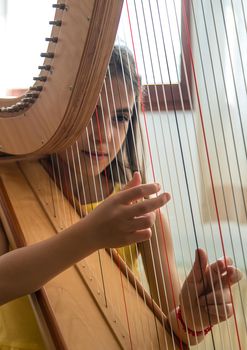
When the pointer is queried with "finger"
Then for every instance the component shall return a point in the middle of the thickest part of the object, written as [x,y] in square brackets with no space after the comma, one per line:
[225,260]
[148,205]
[232,276]
[224,311]
[219,296]
[214,319]
[143,222]
[199,267]
[215,270]
[138,192]
[140,236]
[135,181]
[220,265]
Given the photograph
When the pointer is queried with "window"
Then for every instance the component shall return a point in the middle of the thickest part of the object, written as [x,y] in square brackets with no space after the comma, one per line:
[152,29]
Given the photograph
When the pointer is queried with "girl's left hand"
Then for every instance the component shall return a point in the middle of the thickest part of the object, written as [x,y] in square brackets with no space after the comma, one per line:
[205,296]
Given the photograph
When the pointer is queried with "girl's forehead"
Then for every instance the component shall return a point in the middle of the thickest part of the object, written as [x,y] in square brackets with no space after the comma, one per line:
[115,94]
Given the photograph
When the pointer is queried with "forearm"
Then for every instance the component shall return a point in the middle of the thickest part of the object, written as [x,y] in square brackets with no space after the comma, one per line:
[24,270]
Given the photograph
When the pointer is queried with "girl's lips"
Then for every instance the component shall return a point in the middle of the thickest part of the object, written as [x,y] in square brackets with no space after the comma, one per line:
[95,155]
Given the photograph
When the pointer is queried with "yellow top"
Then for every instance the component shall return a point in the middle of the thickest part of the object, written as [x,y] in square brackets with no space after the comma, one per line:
[129,253]
[18,327]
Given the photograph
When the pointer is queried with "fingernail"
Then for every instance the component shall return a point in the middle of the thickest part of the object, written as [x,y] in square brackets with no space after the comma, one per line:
[158,185]
[167,196]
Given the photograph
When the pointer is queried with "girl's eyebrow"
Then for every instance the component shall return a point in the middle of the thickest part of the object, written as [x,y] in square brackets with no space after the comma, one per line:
[123,110]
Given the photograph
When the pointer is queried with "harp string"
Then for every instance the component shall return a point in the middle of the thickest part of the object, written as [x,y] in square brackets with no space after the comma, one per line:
[151,248]
[238,108]
[233,75]
[238,39]
[156,46]
[154,230]
[99,135]
[52,193]
[203,188]
[70,182]
[163,181]
[228,163]
[168,72]
[209,165]
[230,118]
[199,158]
[107,295]
[217,155]
[166,253]
[138,167]
[121,150]
[57,177]
[143,110]
[97,200]
[187,134]
[75,193]
[191,58]
[122,158]
[198,201]
[106,178]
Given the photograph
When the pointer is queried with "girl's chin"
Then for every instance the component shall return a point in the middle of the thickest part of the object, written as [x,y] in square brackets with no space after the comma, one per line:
[95,171]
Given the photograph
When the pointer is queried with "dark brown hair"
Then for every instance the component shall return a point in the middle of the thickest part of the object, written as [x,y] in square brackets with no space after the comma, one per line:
[122,66]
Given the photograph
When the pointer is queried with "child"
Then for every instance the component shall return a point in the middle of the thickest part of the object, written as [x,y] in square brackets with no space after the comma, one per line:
[105,157]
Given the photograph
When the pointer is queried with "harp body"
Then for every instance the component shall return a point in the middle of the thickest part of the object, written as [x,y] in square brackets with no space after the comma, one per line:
[74,307]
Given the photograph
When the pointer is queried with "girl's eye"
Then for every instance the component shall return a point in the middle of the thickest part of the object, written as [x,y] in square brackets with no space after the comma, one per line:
[121,118]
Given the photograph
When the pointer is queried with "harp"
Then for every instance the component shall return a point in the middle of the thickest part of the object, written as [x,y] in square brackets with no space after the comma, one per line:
[85,306]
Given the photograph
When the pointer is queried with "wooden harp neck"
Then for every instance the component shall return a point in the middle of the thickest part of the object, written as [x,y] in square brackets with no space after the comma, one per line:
[51,115]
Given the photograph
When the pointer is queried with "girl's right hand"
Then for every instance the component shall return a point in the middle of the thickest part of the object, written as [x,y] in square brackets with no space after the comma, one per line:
[125,217]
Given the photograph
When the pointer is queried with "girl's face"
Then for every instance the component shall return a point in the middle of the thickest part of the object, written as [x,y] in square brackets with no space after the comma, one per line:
[106,131]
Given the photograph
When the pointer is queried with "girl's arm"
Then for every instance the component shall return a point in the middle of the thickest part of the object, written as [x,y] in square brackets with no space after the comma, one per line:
[160,266]
[114,223]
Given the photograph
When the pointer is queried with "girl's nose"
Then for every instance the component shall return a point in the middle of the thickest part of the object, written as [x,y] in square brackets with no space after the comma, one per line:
[102,128]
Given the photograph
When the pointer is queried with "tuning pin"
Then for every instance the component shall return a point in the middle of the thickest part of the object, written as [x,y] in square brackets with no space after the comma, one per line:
[59,6]
[28,100]
[36,88]
[42,78]
[9,109]
[45,67]
[16,108]
[47,54]
[53,39]
[21,105]
[57,23]
[32,94]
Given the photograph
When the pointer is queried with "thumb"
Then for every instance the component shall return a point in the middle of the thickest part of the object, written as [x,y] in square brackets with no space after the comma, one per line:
[135,181]
[193,285]
[200,265]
